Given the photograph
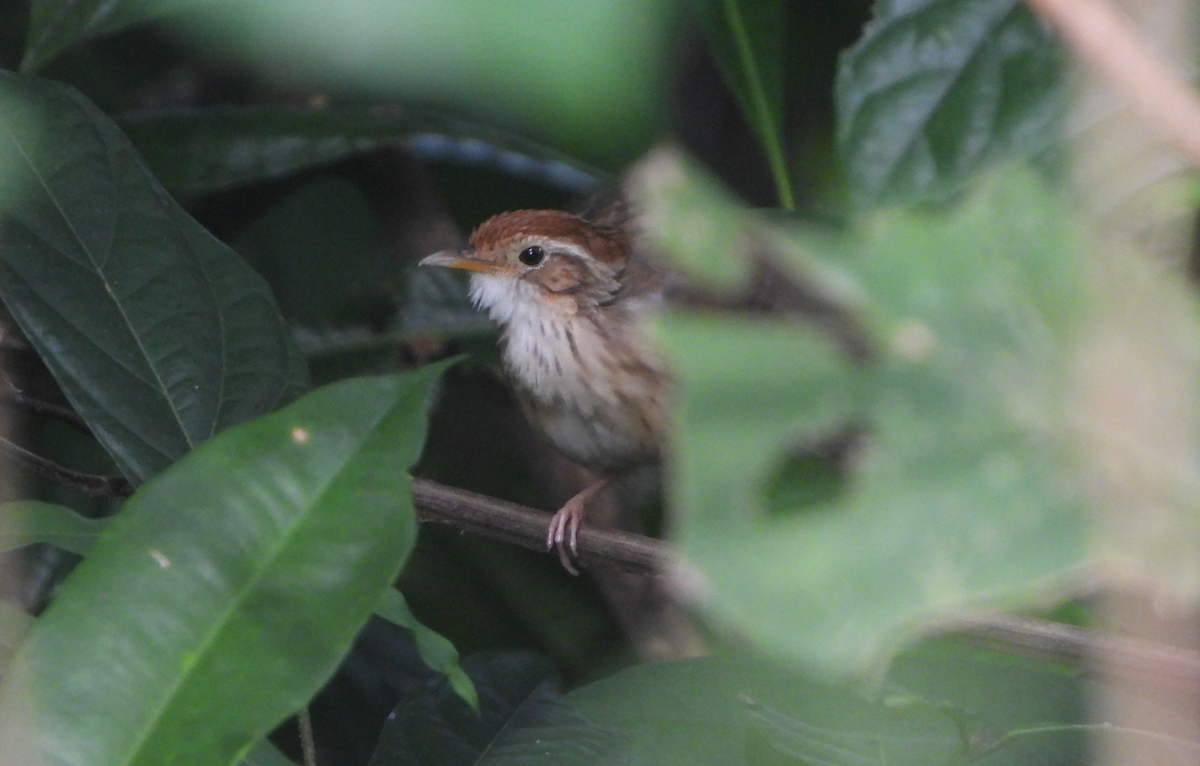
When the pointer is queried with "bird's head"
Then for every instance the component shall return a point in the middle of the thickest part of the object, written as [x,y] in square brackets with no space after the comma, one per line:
[546,256]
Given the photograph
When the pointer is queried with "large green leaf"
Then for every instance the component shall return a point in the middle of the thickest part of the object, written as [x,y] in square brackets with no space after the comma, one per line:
[159,335]
[200,150]
[935,89]
[747,38]
[227,590]
[968,490]
[940,704]
[585,77]
[55,25]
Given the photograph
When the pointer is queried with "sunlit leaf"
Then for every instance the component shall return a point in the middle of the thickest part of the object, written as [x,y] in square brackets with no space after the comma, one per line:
[937,89]
[159,335]
[231,585]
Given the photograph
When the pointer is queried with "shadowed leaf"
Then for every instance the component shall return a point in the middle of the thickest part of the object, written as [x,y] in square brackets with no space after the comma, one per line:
[937,89]
[159,335]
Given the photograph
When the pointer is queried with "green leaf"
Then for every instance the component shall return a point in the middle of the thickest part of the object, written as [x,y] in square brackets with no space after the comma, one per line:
[159,335]
[747,38]
[691,219]
[227,590]
[745,710]
[968,490]
[55,25]
[26,522]
[200,150]
[434,648]
[936,89]
[263,753]
[14,625]
[522,720]
[585,77]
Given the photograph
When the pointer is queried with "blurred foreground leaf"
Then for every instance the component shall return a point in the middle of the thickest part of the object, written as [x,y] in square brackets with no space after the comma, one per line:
[27,522]
[936,89]
[55,25]
[968,489]
[14,624]
[741,710]
[159,335]
[230,587]
[522,719]
[203,150]
[585,77]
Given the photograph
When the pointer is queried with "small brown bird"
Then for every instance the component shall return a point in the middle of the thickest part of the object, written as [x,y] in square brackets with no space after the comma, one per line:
[570,296]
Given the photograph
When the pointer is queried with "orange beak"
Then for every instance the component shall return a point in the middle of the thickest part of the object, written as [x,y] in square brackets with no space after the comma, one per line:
[460,259]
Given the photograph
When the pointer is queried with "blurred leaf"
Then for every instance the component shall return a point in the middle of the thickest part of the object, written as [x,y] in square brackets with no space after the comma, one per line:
[227,590]
[936,89]
[967,492]
[55,25]
[522,720]
[14,625]
[434,648]
[26,522]
[588,78]
[690,218]
[747,38]
[159,335]
[742,710]
[263,753]
[202,150]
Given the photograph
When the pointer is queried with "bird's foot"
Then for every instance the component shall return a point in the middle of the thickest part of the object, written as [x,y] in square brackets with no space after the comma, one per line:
[564,526]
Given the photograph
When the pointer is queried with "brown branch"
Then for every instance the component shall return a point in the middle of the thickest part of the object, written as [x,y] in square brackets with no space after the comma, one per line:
[88,483]
[482,515]
[1028,637]
[1081,647]
[1105,39]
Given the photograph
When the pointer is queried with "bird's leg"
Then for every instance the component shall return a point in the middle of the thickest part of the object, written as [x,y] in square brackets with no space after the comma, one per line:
[564,527]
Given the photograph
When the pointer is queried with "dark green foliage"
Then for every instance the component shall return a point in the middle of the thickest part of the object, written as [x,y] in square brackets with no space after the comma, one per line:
[937,89]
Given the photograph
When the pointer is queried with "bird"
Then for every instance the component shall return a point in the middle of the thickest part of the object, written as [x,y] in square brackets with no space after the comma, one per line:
[572,296]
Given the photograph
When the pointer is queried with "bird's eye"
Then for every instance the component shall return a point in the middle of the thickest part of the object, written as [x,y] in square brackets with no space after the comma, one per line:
[532,256]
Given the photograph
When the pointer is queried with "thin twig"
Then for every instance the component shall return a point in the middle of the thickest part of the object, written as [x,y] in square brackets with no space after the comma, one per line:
[1108,42]
[308,742]
[1080,647]
[46,409]
[482,515]
[88,483]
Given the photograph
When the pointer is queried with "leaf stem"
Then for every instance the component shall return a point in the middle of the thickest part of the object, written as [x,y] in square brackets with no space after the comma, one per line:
[87,483]
[767,127]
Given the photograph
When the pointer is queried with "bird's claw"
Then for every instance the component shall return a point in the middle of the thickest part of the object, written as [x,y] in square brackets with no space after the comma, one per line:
[564,533]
